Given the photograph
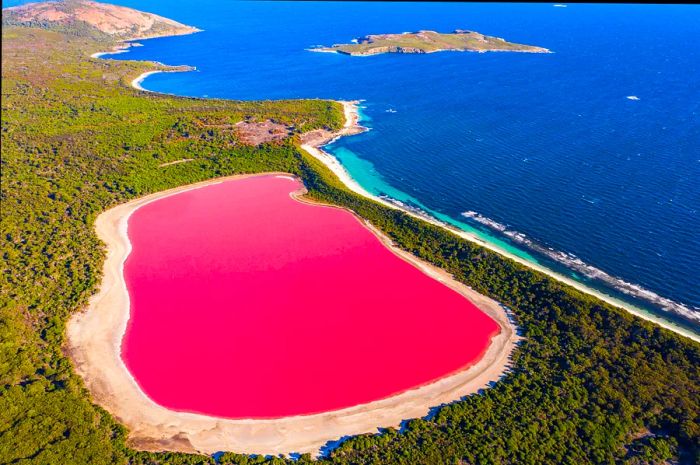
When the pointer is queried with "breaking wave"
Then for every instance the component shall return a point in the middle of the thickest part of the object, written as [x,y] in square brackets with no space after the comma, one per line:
[574,263]
[409,207]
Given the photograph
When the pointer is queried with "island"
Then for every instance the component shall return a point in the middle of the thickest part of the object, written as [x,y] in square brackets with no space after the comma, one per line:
[428,42]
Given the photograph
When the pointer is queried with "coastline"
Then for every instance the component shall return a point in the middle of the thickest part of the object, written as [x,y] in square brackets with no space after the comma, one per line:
[94,338]
[156,428]
[136,82]
[124,45]
[116,51]
[314,146]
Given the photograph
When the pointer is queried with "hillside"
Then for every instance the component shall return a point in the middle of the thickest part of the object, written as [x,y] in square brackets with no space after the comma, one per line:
[87,16]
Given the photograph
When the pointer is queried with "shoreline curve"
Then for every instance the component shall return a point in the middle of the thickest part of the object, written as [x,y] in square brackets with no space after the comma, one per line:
[313,145]
[155,428]
[352,127]
[315,148]
[94,338]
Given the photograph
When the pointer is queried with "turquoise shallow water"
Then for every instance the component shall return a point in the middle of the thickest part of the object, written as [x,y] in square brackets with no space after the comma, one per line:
[367,176]
[544,154]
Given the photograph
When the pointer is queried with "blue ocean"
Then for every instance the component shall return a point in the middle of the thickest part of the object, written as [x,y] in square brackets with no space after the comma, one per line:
[586,160]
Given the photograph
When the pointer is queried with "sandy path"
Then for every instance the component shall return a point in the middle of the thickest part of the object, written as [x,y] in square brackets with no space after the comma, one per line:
[94,344]
[313,143]
[176,162]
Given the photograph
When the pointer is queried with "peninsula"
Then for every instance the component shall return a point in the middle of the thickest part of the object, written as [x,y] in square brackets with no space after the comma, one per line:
[85,17]
[428,42]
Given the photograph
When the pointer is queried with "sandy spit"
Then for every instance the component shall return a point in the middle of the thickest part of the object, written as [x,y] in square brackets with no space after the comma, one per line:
[313,143]
[94,338]
[124,46]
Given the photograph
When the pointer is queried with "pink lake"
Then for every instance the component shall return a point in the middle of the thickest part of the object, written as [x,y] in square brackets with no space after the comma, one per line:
[246,303]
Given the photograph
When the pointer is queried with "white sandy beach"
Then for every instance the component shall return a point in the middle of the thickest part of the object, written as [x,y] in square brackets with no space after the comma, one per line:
[136,83]
[94,339]
[125,45]
[94,342]
[313,146]
[114,52]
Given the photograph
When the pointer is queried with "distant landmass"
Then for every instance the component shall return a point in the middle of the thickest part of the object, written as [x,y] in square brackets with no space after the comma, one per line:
[428,42]
[90,18]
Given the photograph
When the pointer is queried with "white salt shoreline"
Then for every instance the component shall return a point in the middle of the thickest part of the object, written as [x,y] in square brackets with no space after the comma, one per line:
[94,339]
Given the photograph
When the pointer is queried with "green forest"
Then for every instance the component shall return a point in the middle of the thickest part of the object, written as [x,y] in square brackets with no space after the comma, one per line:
[590,384]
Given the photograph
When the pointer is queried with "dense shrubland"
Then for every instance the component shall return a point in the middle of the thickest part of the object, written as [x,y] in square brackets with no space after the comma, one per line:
[591,384]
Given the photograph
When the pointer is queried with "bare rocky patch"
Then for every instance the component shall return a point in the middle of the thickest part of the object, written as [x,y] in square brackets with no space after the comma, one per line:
[256,133]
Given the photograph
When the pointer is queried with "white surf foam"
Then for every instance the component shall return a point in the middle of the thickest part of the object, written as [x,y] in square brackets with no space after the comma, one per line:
[574,263]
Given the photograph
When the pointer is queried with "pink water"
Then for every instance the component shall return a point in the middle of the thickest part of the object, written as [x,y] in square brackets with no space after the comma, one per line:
[246,303]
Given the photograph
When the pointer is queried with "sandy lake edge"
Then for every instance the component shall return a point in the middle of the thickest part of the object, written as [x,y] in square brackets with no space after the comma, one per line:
[94,338]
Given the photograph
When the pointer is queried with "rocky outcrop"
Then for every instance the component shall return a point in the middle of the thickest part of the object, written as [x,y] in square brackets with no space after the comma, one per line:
[428,42]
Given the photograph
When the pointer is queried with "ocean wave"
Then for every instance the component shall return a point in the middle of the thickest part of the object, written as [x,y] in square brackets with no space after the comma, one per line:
[409,207]
[574,263]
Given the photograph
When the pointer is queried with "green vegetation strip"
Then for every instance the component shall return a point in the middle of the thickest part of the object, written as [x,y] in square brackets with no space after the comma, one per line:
[591,384]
